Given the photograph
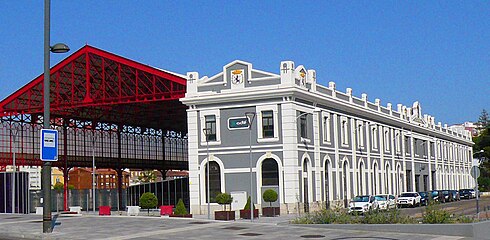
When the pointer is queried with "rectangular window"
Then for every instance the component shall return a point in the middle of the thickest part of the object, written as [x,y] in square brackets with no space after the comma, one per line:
[375,135]
[407,145]
[397,142]
[267,124]
[415,147]
[360,134]
[386,139]
[345,131]
[211,126]
[303,126]
[432,149]
[326,128]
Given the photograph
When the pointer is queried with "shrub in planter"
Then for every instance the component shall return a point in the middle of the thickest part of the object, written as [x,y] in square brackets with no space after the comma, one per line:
[180,210]
[270,196]
[246,212]
[224,199]
[148,200]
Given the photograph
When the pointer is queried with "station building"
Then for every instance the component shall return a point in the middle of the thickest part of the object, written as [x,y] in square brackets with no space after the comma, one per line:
[315,145]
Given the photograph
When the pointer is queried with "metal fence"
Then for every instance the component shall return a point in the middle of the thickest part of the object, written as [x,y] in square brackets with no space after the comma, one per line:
[168,192]
[19,196]
[82,198]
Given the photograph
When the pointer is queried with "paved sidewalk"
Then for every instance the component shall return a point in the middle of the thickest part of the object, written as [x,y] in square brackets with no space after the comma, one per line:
[143,227]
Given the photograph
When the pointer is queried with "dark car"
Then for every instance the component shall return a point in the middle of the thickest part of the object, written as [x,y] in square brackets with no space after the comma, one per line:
[438,196]
[425,198]
[465,193]
[455,195]
[447,196]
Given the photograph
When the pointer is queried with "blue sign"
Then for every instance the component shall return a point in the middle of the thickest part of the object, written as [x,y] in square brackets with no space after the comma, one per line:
[238,123]
[49,145]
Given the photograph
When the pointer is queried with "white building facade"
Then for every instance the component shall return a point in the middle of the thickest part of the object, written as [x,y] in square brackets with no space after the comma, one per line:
[316,146]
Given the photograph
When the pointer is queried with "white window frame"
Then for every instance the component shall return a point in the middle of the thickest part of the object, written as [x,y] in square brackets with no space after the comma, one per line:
[344,129]
[374,136]
[326,119]
[397,142]
[386,138]
[202,115]
[275,117]
[360,134]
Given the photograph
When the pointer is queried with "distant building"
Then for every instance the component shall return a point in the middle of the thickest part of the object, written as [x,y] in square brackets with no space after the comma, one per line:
[81,178]
[474,128]
[135,175]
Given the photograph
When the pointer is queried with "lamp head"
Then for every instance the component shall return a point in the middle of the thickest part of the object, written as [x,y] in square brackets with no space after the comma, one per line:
[59,48]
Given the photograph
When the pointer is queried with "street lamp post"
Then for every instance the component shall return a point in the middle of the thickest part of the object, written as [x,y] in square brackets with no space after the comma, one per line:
[477,190]
[14,149]
[46,169]
[250,119]
[93,173]
[207,131]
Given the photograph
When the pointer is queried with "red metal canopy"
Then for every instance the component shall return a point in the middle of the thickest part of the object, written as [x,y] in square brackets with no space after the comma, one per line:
[92,84]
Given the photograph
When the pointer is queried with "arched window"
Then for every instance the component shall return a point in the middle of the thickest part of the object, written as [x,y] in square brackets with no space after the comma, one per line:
[214,181]
[270,173]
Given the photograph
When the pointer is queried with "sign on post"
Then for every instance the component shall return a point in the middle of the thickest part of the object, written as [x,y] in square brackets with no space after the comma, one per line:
[475,172]
[49,145]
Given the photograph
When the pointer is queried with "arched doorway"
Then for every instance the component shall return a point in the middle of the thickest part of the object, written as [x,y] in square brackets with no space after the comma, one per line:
[387,178]
[305,186]
[375,179]
[270,176]
[398,179]
[345,184]
[361,178]
[214,181]
[326,184]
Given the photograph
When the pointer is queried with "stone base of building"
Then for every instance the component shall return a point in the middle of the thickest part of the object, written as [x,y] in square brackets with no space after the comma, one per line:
[286,208]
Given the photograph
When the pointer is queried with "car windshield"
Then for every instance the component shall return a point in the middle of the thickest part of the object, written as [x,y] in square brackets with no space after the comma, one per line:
[361,199]
[407,195]
[423,194]
[380,198]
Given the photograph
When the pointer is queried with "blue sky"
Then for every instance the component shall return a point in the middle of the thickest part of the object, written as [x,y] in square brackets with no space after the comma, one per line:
[435,52]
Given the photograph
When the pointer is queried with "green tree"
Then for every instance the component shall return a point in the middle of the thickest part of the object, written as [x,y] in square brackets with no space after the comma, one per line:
[247,206]
[224,199]
[481,150]
[180,208]
[59,187]
[148,200]
[270,196]
[484,120]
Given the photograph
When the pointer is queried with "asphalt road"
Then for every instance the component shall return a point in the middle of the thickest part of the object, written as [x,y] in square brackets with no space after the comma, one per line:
[463,207]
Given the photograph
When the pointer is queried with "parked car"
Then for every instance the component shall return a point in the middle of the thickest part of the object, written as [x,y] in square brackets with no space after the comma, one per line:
[362,204]
[385,201]
[411,199]
[455,195]
[425,198]
[473,193]
[465,193]
[448,197]
[438,196]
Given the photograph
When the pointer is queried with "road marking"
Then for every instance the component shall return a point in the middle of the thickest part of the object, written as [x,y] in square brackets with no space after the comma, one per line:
[447,238]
